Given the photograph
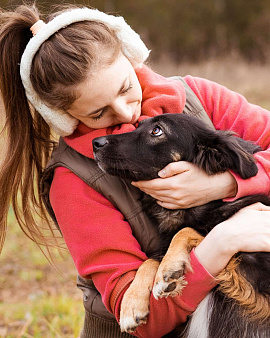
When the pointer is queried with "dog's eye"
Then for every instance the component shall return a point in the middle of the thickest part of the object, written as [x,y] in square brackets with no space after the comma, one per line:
[157,131]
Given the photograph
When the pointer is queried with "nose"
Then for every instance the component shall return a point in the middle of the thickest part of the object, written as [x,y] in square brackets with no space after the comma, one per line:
[123,110]
[99,142]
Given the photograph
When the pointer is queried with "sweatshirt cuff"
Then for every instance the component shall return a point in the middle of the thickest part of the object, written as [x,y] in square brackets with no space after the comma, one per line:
[200,282]
[258,184]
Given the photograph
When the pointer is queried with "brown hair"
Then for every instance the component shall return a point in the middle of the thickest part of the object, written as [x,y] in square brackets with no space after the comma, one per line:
[62,62]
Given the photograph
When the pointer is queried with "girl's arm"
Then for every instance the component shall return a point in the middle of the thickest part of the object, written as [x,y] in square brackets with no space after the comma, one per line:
[246,231]
[103,248]
[184,185]
[231,111]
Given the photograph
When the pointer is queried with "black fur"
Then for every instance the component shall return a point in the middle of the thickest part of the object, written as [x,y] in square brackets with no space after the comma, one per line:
[225,310]
[156,142]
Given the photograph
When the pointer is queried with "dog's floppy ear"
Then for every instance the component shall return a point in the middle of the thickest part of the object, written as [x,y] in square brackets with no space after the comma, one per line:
[222,151]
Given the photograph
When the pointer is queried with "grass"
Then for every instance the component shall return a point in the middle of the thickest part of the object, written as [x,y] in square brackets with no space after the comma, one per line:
[42,316]
[35,299]
[249,79]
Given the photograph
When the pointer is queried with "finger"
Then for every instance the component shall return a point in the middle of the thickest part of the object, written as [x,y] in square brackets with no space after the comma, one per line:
[166,205]
[150,185]
[158,195]
[162,195]
[174,168]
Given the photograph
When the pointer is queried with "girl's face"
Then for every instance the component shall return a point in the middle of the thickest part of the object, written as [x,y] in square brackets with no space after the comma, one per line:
[110,96]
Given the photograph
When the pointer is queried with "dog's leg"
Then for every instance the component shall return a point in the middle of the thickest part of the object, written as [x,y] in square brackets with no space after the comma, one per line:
[135,303]
[169,279]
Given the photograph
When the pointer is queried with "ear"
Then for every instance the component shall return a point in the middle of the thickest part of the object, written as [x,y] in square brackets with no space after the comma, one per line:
[248,146]
[223,151]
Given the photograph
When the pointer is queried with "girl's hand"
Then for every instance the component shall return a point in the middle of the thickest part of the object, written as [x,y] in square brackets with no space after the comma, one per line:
[248,231]
[183,185]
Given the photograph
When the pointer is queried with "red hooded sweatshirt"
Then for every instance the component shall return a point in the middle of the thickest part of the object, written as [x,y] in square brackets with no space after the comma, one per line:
[97,235]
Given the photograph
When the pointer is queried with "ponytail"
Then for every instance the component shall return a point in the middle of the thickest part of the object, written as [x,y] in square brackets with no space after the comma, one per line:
[27,136]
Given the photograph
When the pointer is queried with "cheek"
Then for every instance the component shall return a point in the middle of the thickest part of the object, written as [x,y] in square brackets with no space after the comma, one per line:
[139,93]
[137,90]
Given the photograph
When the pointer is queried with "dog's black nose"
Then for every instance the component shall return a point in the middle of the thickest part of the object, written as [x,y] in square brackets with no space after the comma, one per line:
[99,142]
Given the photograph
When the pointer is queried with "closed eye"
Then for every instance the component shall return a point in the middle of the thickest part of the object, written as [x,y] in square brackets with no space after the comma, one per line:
[100,114]
[124,91]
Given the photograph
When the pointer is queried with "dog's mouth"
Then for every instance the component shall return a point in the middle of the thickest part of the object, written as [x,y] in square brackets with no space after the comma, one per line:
[125,168]
[116,169]
[114,165]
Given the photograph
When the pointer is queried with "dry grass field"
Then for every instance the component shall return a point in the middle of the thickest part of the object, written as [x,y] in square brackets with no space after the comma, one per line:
[38,301]
[250,79]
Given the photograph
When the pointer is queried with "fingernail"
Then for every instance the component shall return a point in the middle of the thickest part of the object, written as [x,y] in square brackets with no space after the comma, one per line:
[162,173]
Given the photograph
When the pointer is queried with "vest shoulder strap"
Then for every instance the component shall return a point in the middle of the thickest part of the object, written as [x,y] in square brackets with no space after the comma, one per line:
[82,166]
[193,105]
[118,191]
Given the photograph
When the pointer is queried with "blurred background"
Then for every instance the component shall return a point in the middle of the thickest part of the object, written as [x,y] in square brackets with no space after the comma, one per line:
[227,41]
[192,29]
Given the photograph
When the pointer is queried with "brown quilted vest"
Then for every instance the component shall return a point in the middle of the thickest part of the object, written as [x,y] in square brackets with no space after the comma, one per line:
[99,322]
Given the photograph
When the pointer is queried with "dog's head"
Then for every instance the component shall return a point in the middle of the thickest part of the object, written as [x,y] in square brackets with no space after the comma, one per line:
[158,141]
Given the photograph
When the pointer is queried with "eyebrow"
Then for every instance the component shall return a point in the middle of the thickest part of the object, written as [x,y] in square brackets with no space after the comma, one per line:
[119,92]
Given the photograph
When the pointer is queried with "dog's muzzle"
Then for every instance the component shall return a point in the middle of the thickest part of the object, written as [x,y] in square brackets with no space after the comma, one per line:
[99,142]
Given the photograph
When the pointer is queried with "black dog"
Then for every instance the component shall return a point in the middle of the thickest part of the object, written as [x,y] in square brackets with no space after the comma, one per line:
[157,141]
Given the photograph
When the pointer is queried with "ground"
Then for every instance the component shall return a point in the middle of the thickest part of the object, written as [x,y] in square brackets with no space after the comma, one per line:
[36,300]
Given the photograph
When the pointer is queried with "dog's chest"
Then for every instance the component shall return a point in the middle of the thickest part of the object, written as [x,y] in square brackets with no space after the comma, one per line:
[168,221]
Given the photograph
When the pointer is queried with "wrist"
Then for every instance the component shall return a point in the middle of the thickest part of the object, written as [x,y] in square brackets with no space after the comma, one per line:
[216,250]
[232,186]
[225,185]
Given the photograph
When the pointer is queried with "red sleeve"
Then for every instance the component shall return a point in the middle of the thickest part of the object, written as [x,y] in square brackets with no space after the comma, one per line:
[231,111]
[103,248]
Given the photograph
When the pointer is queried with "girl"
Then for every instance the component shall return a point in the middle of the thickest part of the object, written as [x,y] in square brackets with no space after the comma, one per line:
[81,75]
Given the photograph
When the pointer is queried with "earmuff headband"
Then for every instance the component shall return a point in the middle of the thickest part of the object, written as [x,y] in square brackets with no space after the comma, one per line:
[132,46]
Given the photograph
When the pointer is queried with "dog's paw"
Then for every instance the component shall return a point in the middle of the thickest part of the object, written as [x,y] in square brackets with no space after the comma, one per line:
[134,312]
[170,278]
[136,300]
